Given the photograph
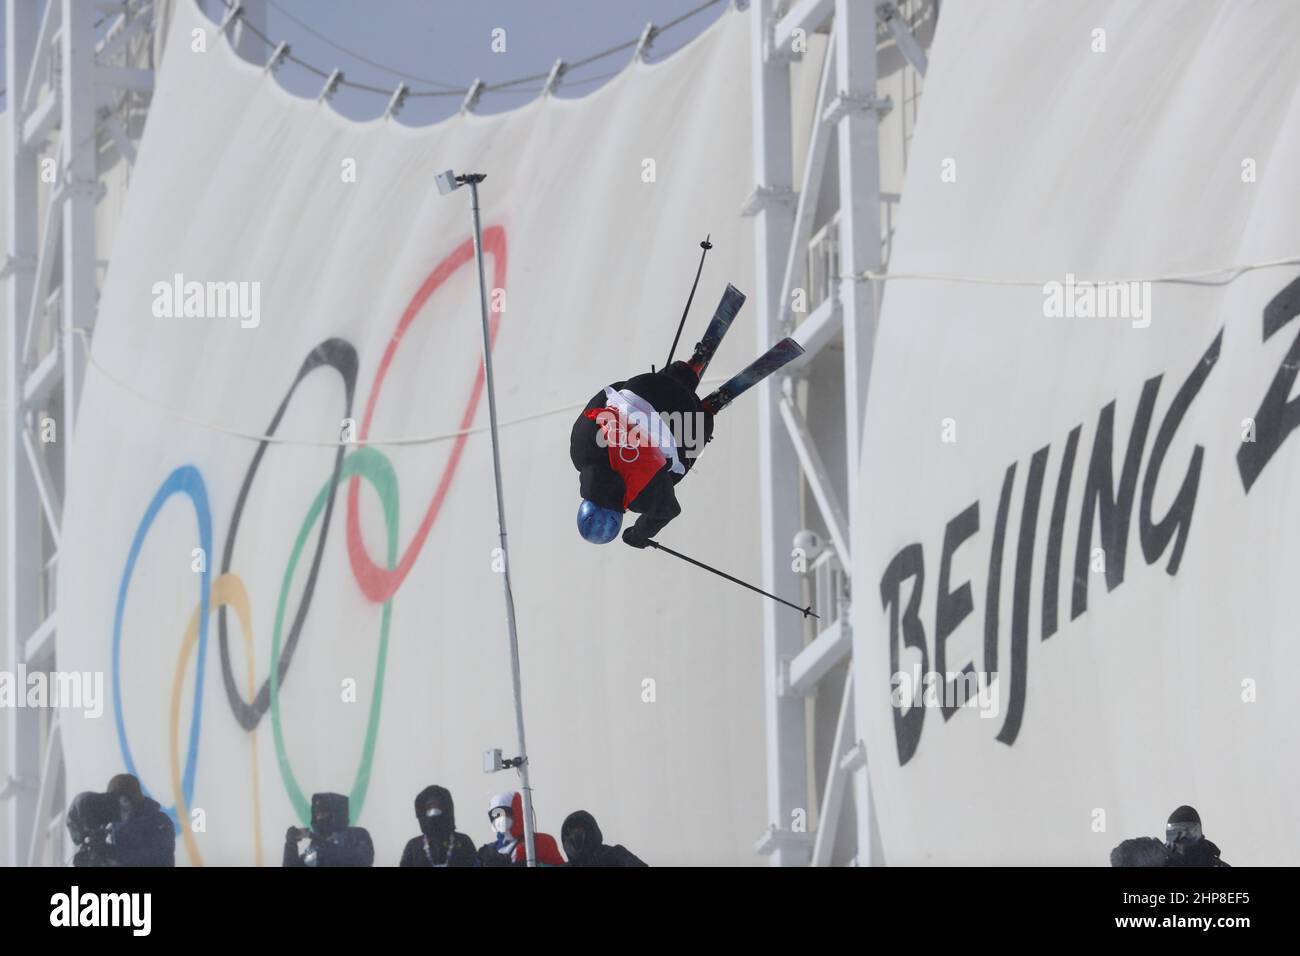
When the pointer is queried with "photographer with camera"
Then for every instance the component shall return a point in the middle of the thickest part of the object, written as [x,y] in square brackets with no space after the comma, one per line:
[1186,843]
[122,827]
[329,841]
[143,835]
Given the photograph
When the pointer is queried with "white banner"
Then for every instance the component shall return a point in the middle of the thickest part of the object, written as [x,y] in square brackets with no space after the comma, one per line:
[281,269]
[1087,492]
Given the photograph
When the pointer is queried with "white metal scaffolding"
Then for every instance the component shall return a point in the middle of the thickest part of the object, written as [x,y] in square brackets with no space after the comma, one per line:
[843,310]
[77,95]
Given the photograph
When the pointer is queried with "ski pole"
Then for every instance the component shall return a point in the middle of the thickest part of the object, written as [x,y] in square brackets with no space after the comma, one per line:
[705,246]
[805,611]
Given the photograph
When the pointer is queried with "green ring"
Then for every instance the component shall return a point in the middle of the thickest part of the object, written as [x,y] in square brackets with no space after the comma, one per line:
[373,466]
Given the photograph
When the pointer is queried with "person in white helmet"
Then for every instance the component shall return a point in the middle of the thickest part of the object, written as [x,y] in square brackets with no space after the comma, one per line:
[506,814]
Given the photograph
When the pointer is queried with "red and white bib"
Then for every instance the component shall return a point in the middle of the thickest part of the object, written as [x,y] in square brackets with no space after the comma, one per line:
[637,438]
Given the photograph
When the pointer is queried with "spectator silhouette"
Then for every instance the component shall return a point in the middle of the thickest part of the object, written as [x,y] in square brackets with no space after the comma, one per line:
[584,844]
[330,841]
[145,836]
[1186,843]
[439,844]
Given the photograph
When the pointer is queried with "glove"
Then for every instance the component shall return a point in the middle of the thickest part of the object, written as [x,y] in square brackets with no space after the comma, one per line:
[635,538]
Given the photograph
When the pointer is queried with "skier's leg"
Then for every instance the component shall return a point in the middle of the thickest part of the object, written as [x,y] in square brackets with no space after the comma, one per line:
[784,352]
[692,435]
[723,316]
[684,375]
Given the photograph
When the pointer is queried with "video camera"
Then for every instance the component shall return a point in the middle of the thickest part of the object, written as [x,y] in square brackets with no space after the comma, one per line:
[91,817]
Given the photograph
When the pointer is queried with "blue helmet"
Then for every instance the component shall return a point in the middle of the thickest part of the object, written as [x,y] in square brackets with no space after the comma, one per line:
[598,524]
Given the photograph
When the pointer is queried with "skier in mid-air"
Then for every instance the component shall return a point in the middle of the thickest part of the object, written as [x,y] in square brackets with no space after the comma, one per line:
[638,438]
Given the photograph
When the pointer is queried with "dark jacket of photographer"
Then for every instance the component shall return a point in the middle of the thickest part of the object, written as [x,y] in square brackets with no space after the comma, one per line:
[333,842]
[350,846]
[1195,853]
[146,837]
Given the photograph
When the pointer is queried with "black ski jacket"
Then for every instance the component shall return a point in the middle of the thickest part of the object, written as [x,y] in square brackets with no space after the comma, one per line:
[462,853]
[1200,852]
[145,838]
[350,846]
[605,855]
[670,391]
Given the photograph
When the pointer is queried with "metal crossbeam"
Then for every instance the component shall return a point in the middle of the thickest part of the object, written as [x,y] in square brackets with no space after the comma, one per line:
[51,506]
[816,331]
[37,124]
[38,648]
[837,782]
[819,482]
[819,658]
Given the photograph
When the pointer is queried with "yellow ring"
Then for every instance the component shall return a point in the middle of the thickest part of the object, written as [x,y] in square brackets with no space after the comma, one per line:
[227,591]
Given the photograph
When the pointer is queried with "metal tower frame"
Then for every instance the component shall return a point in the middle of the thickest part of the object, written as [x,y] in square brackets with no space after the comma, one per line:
[848,105]
[70,84]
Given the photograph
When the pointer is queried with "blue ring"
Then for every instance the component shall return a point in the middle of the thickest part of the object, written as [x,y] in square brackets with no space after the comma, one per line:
[185,480]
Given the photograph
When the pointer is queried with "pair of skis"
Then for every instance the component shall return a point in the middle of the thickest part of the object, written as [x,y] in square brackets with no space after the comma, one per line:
[778,356]
[775,358]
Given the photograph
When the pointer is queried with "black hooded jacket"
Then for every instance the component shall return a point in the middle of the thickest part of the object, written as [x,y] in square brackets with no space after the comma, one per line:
[146,837]
[671,392]
[584,844]
[333,841]
[1195,853]
[438,844]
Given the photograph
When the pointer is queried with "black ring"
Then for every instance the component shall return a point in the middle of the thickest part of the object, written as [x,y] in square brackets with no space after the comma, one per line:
[341,356]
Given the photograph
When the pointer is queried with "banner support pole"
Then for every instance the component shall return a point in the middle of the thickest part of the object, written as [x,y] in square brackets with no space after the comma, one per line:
[530,842]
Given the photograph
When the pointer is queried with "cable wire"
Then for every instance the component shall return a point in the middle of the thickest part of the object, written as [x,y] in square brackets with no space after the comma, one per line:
[357,56]
[170,409]
[508,86]
[1228,274]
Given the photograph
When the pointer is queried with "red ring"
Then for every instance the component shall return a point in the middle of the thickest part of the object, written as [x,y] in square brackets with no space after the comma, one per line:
[376,582]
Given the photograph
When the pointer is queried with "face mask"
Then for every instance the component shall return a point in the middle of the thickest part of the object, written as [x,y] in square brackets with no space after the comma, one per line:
[1182,833]
[502,824]
[575,844]
[434,822]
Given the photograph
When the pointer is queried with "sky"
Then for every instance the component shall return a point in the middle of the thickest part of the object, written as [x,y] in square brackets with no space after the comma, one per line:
[448,43]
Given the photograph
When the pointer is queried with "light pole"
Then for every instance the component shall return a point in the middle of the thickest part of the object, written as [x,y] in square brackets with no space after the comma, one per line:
[449,182]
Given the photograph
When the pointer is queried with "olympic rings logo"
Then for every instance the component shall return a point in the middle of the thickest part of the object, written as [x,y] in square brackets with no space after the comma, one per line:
[378,583]
[617,432]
